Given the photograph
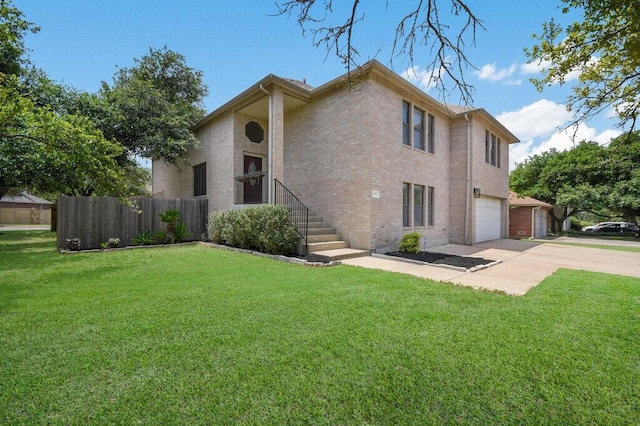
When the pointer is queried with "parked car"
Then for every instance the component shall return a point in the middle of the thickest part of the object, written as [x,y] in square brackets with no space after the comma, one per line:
[612,227]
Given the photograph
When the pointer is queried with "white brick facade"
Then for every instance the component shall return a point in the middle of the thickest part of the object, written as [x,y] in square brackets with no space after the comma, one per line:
[339,149]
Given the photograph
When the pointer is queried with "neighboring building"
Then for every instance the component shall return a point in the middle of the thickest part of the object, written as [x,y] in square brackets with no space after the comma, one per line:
[24,209]
[375,160]
[528,217]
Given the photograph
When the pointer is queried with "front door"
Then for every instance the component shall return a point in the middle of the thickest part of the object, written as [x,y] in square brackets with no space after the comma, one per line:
[252,186]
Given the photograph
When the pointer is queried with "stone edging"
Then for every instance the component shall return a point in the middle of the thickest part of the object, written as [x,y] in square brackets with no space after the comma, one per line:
[145,246]
[277,257]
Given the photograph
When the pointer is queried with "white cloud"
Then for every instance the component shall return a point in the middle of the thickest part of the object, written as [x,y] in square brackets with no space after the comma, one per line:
[421,77]
[537,119]
[534,67]
[491,73]
[560,140]
[537,126]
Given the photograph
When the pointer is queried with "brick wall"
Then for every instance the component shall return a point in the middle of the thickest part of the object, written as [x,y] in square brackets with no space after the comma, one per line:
[347,144]
[216,139]
[520,222]
[493,181]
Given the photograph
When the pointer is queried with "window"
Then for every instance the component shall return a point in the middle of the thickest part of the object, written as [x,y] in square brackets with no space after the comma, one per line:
[406,187]
[406,124]
[431,128]
[254,132]
[200,179]
[415,132]
[418,205]
[418,129]
[431,220]
[492,149]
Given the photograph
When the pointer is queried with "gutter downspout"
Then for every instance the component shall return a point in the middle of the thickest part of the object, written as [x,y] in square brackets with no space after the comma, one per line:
[467,198]
[270,149]
[533,220]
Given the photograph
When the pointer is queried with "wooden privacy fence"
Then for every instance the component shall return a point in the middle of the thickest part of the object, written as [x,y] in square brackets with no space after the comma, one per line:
[96,219]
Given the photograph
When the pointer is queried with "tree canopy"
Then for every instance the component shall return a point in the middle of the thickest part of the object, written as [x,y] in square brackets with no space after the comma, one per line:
[58,140]
[603,48]
[590,177]
[43,150]
[151,107]
[13,26]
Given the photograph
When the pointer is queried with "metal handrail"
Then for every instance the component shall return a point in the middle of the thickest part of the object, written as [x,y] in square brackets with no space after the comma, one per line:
[298,212]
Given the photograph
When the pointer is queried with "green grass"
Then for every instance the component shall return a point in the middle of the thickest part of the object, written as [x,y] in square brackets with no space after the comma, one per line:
[193,335]
[597,246]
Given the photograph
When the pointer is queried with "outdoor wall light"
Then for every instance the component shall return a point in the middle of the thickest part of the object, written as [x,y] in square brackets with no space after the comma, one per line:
[476,192]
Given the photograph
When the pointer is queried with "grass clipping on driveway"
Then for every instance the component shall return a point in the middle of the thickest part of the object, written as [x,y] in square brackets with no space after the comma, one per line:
[193,335]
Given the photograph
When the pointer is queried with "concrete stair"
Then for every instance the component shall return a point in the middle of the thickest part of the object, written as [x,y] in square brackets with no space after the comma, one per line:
[322,240]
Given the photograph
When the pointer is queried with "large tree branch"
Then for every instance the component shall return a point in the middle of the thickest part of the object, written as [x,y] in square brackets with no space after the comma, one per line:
[422,26]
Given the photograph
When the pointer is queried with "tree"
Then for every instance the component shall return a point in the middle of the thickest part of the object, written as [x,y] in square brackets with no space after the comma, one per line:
[43,150]
[151,107]
[588,178]
[47,144]
[604,48]
[422,25]
[12,30]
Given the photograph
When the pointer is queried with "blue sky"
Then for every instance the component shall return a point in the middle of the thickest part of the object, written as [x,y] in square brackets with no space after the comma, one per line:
[236,43]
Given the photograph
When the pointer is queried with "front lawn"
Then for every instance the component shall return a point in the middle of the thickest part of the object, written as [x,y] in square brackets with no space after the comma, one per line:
[194,335]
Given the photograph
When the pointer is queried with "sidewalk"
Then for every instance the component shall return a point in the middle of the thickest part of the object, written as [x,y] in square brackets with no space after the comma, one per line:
[524,264]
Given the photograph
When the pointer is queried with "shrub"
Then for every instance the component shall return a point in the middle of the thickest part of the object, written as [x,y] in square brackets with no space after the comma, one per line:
[215,225]
[263,228]
[410,242]
[144,238]
[181,232]
[171,217]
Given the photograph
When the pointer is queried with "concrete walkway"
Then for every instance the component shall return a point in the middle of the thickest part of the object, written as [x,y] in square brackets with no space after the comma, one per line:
[524,264]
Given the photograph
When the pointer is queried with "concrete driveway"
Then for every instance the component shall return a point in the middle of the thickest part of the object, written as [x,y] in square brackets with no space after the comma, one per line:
[524,264]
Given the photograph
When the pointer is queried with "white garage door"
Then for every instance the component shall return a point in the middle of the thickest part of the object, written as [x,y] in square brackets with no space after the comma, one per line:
[541,223]
[488,219]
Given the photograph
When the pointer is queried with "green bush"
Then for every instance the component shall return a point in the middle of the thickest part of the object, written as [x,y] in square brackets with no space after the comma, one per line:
[410,242]
[263,228]
[181,232]
[144,238]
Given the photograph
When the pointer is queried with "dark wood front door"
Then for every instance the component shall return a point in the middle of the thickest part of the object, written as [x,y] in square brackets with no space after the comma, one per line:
[253,186]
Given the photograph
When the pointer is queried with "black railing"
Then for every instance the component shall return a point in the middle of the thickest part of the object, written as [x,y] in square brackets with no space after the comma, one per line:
[298,212]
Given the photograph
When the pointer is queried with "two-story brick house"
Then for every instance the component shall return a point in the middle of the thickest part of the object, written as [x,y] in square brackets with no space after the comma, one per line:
[376,159]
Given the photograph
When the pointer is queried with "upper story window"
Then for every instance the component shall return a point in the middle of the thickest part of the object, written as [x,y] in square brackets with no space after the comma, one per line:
[492,148]
[406,123]
[418,128]
[431,135]
[200,179]
[254,132]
